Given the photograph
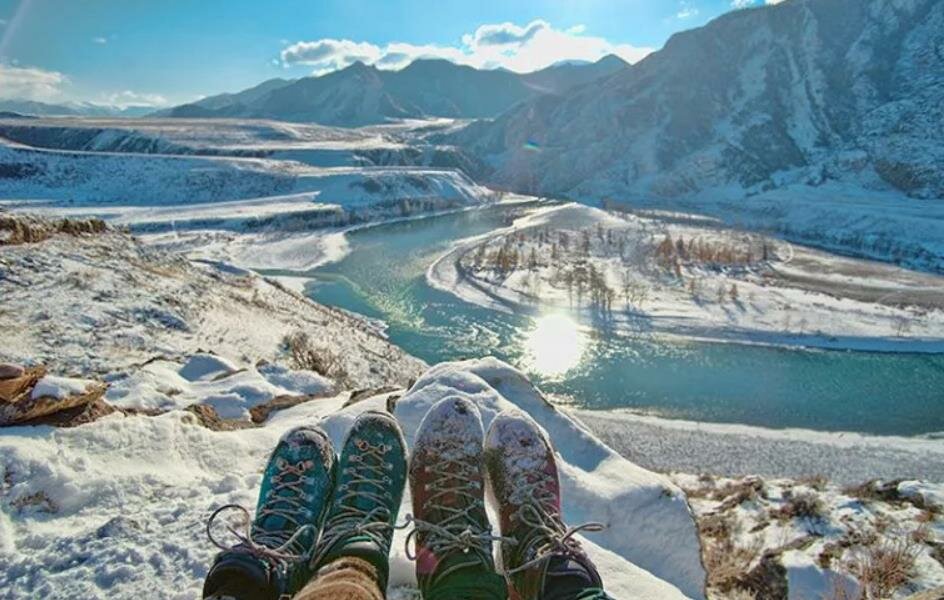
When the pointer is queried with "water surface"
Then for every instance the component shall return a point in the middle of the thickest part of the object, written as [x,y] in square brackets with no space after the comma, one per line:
[384,277]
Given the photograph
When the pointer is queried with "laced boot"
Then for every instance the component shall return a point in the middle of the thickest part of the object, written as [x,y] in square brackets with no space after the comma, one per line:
[542,559]
[372,473]
[452,533]
[274,549]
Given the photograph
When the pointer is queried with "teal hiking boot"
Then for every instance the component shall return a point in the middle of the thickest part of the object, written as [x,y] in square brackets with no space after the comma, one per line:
[363,511]
[273,555]
[452,533]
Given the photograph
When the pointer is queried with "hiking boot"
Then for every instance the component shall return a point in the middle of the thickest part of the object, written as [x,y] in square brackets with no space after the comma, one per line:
[542,559]
[453,536]
[372,473]
[273,554]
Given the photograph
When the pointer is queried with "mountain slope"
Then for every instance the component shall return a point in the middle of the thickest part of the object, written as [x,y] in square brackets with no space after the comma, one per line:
[362,95]
[804,91]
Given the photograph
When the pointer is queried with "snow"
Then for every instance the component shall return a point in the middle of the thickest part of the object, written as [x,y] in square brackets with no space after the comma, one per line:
[124,499]
[730,450]
[797,296]
[205,379]
[60,388]
[823,543]
[108,305]
[201,367]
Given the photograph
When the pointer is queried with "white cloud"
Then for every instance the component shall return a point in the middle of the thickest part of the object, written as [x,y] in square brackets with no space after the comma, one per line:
[746,3]
[25,83]
[128,98]
[518,48]
[686,11]
[3,22]
[99,40]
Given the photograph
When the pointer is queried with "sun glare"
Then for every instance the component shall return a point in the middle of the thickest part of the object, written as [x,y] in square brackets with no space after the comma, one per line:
[554,345]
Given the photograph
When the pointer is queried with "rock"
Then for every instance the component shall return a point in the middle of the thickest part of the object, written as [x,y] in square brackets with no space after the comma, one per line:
[206,416]
[77,415]
[8,371]
[55,395]
[261,412]
[12,388]
[364,394]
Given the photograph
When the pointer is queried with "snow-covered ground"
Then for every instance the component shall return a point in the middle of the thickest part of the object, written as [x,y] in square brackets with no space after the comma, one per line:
[116,509]
[671,274]
[104,304]
[674,445]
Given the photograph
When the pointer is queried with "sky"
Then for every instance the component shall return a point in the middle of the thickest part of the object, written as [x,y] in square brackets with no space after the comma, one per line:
[163,52]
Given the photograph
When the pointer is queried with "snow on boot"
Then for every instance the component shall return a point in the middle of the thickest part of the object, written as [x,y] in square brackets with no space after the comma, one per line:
[372,473]
[543,560]
[272,558]
[452,533]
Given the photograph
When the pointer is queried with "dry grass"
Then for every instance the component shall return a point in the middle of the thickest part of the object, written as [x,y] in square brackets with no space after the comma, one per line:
[802,505]
[322,360]
[736,493]
[883,568]
[728,563]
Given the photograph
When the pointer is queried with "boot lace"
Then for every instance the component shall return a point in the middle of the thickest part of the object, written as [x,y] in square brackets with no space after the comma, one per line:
[458,531]
[368,477]
[547,535]
[282,545]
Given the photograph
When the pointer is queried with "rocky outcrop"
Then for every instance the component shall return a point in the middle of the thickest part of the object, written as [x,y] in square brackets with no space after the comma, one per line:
[22,229]
[34,395]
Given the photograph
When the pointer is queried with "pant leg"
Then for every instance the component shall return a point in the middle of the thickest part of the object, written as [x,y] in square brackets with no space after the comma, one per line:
[347,578]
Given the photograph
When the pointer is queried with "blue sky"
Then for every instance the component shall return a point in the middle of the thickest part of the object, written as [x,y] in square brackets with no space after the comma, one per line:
[168,51]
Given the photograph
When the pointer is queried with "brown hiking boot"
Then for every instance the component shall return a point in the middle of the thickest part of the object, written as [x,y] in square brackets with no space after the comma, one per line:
[543,560]
[453,536]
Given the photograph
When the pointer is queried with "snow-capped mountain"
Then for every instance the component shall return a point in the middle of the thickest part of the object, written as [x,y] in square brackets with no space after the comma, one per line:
[362,94]
[71,109]
[806,91]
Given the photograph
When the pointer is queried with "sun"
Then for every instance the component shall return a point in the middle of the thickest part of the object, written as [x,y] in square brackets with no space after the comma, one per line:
[554,345]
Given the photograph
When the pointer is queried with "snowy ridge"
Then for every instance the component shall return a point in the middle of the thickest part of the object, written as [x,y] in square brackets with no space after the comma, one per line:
[802,93]
[115,509]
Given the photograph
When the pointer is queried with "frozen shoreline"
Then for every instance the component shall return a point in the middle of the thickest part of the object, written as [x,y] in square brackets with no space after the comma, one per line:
[734,450]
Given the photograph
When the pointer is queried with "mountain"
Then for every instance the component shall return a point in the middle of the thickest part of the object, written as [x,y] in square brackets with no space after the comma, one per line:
[71,109]
[223,102]
[806,91]
[362,94]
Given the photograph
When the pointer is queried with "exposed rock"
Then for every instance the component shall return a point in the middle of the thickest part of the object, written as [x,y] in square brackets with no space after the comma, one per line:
[8,371]
[23,229]
[207,416]
[364,394]
[29,405]
[77,415]
[11,388]
[261,412]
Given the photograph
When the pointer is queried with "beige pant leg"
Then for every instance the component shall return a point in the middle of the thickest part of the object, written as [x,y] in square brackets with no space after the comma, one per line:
[343,579]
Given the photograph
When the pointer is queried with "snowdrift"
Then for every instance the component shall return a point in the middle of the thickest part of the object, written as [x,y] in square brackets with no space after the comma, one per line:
[116,509]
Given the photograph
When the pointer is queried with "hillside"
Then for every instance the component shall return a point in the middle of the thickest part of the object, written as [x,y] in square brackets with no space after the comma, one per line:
[803,92]
[362,95]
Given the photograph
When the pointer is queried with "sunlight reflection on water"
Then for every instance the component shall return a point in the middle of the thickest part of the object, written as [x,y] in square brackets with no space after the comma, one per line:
[554,345]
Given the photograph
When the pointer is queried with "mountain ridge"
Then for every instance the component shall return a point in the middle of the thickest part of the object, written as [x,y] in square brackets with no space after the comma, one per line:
[361,94]
[799,92]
